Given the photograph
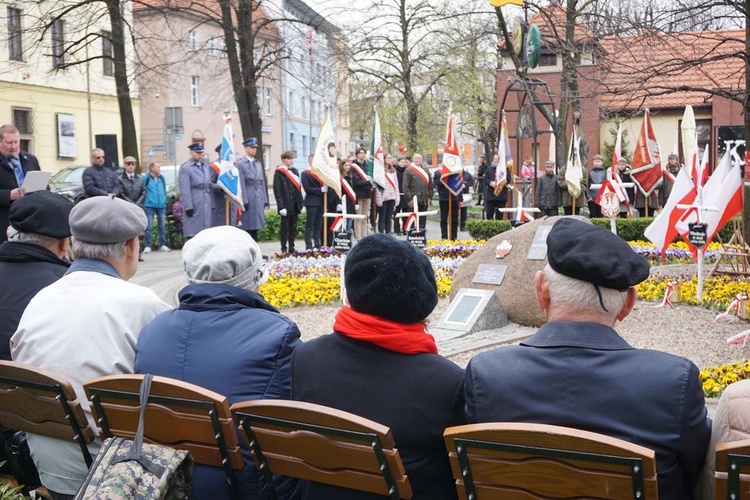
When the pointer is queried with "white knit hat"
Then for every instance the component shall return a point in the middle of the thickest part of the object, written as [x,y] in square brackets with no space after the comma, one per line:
[224,255]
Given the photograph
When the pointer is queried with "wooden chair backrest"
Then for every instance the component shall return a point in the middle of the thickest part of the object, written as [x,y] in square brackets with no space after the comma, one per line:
[533,461]
[321,444]
[732,476]
[41,402]
[180,415]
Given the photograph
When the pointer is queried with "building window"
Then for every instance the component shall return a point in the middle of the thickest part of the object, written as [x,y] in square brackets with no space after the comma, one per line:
[222,48]
[268,101]
[193,40]
[291,142]
[548,60]
[195,91]
[304,145]
[22,120]
[304,108]
[58,43]
[291,103]
[15,43]
[108,66]
[212,51]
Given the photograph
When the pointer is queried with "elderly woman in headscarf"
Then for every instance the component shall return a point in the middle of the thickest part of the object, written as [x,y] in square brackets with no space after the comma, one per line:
[225,337]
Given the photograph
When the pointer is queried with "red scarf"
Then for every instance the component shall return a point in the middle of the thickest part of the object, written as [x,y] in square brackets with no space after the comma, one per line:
[404,338]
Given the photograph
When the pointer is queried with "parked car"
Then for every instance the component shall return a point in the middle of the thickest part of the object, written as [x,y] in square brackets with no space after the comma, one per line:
[68,182]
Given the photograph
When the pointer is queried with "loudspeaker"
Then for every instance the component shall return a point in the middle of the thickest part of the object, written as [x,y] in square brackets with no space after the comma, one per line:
[108,142]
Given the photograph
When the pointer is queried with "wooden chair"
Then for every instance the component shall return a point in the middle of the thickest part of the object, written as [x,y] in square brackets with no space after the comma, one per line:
[533,461]
[41,402]
[181,415]
[732,476]
[324,445]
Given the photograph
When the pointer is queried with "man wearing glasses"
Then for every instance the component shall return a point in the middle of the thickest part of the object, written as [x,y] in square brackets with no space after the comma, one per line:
[99,180]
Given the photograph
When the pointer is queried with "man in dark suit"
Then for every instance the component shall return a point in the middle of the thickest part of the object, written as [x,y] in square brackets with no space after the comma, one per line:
[14,164]
[287,190]
[576,371]
[315,189]
[98,180]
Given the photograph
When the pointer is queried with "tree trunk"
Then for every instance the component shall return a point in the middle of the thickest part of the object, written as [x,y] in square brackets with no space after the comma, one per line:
[127,118]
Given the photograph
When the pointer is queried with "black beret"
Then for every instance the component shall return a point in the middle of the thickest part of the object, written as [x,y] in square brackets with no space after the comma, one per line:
[41,212]
[391,279]
[591,253]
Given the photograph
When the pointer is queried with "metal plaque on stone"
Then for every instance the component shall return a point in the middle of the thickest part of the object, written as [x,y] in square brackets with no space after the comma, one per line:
[417,238]
[490,274]
[538,249]
[342,241]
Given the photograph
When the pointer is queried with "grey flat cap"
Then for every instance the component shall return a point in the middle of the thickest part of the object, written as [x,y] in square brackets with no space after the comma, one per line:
[224,255]
[105,220]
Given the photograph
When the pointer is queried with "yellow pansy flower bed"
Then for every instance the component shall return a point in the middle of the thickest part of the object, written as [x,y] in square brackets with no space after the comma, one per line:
[718,291]
[315,279]
[716,378]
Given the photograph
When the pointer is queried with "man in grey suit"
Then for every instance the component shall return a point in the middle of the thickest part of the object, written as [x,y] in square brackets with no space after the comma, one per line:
[576,371]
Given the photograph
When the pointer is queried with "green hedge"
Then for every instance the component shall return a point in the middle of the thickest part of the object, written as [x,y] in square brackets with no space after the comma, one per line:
[628,229]
[272,229]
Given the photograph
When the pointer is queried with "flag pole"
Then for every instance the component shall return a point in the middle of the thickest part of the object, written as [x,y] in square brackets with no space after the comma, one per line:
[325,219]
[226,211]
[450,214]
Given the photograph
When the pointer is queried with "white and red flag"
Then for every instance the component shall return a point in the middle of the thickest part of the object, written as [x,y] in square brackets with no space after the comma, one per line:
[521,215]
[337,224]
[722,194]
[506,158]
[645,169]
[662,231]
[451,171]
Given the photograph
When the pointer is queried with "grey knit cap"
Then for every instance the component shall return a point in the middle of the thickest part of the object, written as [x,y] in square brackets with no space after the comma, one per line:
[224,255]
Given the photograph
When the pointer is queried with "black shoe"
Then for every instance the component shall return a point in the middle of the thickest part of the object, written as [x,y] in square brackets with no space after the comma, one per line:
[140,257]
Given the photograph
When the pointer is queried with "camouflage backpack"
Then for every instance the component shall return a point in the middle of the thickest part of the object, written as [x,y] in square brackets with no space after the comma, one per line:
[132,469]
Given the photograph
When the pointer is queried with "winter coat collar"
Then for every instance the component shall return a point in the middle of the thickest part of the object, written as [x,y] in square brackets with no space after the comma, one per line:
[15,251]
[210,297]
[577,334]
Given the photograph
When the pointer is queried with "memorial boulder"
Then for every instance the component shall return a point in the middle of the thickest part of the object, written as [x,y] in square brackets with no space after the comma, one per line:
[526,256]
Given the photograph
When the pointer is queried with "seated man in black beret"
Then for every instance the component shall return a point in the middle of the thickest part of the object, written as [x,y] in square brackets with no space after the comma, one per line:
[380,363]
[32,257]
[576,371]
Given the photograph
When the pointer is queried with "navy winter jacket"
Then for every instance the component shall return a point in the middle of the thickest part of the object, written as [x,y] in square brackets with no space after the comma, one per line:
[231,341]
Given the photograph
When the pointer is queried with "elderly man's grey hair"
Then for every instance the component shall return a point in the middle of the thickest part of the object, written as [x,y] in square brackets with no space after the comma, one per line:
[99,251]
[36,239]
[580,295]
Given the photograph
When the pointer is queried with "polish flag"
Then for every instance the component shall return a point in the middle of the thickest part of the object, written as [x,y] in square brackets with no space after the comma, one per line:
[338,223]
[723,191]
[662,231]
[646,167]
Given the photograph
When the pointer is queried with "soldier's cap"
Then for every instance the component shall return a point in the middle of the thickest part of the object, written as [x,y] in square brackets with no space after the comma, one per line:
[196,146]
[250,141]
[128,159]
[41,212]
[593,254]
[622,160]
[549,163]
[598,157]
[104,220]
[673,155]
